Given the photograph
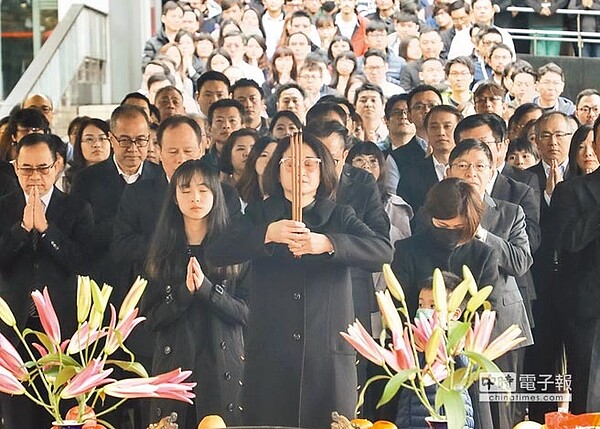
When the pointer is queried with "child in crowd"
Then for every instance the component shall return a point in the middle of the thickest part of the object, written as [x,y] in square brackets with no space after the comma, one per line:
[522,154]
[411,413]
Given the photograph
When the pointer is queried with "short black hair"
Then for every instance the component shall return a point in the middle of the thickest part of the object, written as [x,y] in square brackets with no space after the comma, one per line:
[248,83]
[468,145]
[389,105]
[442,108]
[319,110]
[368,87]
[222,104]
[35,139]
[175,121]
[210,76]
[286,86]
[137,96]
[331,98]
[29,117]
[375,26]
[325,129]
[423,88]
[495,122]
[586,93]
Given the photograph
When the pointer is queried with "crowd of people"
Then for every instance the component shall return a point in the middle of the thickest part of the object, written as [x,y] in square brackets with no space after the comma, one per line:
[426,143]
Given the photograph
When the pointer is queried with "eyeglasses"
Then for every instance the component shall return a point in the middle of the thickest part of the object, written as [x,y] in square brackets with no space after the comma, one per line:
[360,162]
[550,82]
[588,109]
[92,140]
[485,100]
[28,171]
[309,164]
[465,166]
[423,107]
[547,136]
[140,141]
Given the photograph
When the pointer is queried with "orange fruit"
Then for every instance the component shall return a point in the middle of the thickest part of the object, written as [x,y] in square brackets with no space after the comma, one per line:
[383,424]
[212,422]
[361,423]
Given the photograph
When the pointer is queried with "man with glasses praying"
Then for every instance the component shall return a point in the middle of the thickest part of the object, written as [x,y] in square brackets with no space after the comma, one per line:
[44,241]
[588,106]
[102,184]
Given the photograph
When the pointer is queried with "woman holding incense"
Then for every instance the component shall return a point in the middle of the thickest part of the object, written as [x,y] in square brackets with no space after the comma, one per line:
[298,368]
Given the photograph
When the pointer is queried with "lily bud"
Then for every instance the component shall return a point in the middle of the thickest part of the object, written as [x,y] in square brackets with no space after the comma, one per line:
[133,297]
[84,298]
[6,314]
[440,297]
[392,283]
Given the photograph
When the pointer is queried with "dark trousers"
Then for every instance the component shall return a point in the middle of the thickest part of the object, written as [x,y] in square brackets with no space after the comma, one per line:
[507,414]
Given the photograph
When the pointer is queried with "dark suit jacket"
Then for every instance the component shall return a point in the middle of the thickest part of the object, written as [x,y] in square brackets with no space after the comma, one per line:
[53,260]
[358,189]
[102,186]
[545,258]
[416,180]
[522,176]
[406,155]
[8,179]
[576,209]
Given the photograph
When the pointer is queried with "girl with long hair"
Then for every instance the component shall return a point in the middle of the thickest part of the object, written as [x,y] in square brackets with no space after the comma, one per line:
[196,308]
[343,69]
[250,186]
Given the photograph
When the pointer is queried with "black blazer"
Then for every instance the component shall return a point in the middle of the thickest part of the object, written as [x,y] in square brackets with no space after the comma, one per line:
[416,180]
[576,209]
[28,263]
[408,154]
[102,186]
[522,176]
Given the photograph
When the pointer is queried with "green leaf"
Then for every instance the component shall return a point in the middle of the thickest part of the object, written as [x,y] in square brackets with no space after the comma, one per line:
[478,299]
[454,407]
[393,385]
[456,333]
[42,338]
[486,364]
[56,359]
[456,380]
[135,367]
[64,375]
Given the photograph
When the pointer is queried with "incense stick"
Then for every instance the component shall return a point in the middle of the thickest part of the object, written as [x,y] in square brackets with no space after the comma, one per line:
[297,161]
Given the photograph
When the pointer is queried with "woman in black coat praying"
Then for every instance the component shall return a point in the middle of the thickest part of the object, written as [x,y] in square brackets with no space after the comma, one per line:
[298,367]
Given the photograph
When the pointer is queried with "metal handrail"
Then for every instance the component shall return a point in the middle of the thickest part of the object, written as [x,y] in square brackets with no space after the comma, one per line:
[579,34]
[42,59]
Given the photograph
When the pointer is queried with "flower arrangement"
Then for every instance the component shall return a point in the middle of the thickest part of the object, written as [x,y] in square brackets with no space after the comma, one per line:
[440,339]
[80,367]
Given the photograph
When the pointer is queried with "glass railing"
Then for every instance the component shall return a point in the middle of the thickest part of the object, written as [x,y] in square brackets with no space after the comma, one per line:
[70,66]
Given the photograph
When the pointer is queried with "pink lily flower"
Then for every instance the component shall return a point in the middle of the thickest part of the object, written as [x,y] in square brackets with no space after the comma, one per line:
[169,385]
[478,337]
[364,343]
[11,360]
[440,372]
[48,318]
[9,383]
[423,329]
[83,338]
[91,377]
[123,328]
[401,356]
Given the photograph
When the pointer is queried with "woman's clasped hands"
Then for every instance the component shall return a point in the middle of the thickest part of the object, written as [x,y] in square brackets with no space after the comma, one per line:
[299,239]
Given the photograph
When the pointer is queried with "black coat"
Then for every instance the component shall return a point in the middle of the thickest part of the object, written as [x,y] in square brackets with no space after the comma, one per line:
[417,256]
[415,181]
[298,367]
[102,187]
[202,332]
[52,261]
[406,155]
[358,189]
[576,209]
